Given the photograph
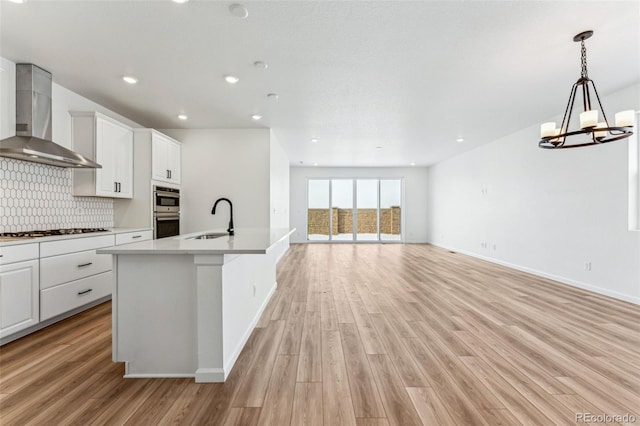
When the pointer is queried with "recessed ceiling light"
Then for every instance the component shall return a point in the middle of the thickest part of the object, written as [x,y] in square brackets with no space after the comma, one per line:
[182,116]
[272,96]
[315,164]
[231,79]
[460,140]
[260,65]
[412,164]
[314,140]
[129,79]
[180,1]
[256,117]
[238,10]
[17,1]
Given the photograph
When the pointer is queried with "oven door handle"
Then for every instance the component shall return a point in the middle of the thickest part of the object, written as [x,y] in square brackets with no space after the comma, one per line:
[167,194]
[164,218]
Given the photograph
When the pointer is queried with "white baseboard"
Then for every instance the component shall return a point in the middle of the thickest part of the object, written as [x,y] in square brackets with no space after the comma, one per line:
[236,352]
[210,375]
[157,376]
[560,279]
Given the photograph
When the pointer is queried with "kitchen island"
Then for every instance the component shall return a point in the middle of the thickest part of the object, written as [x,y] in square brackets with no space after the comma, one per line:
[185,307]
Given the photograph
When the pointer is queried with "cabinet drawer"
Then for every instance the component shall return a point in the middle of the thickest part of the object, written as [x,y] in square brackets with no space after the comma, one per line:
[57,300]
[54,248]
[69,267]
[18,253]
[133,237]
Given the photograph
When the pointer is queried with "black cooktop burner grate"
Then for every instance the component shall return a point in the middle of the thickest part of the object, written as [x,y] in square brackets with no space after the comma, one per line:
[51,232]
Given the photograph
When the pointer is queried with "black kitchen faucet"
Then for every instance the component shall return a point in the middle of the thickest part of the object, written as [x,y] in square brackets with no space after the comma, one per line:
[213,211]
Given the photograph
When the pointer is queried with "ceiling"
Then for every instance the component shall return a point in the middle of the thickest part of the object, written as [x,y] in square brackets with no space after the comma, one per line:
[409,77]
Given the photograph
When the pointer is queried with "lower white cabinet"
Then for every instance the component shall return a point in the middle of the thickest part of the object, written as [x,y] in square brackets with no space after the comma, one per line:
[40,281]
[19,289]
[65,297]
[72,274]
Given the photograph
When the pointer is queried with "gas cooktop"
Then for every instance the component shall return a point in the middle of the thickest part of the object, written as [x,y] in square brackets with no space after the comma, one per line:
[48,233]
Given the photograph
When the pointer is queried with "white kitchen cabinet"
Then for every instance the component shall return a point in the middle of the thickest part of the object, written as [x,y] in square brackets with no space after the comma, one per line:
[110,144]
[156,157]
[73,275]
[134,237]
[19,288]
[165,158]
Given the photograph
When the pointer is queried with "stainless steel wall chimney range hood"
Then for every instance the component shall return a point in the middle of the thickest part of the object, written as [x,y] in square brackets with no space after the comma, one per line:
[33,124]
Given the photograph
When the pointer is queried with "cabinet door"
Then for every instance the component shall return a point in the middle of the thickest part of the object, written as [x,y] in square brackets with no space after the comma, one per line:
[114,151]
[174,151]
[19,296]
[124,165]
[107,134]
[159,165]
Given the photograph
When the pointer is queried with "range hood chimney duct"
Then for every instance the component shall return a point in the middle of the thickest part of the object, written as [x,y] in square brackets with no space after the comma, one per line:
[33,124]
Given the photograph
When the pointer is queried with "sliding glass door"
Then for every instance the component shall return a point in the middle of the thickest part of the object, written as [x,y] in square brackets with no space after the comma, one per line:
[342,209]
[390,209]
[318,217]
[367,208]
[354,210]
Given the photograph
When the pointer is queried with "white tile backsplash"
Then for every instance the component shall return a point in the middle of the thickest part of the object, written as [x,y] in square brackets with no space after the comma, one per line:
[38,197]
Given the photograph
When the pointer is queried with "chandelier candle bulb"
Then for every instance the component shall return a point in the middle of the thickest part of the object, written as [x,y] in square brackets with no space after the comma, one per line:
[588,119]
[624,118]
[555,132]
[602,133]
[547,129]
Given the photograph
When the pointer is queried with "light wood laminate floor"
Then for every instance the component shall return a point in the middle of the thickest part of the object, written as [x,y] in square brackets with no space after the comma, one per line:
[361,335]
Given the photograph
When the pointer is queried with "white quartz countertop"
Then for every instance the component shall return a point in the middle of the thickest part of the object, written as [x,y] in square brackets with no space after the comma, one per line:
[112,231]
[245,241]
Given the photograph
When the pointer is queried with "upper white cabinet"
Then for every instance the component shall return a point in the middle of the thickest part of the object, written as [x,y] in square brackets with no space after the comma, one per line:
[110,144]
[165,158]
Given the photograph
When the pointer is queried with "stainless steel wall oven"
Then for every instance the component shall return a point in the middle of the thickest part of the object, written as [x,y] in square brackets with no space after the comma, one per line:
[166,212]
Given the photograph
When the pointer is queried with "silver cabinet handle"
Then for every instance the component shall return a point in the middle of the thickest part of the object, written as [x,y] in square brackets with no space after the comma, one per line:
[136,236]
[84,292]
[85,264]
[115,186]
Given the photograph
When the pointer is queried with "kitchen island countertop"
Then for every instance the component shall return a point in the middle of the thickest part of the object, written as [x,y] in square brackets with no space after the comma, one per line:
[245,241]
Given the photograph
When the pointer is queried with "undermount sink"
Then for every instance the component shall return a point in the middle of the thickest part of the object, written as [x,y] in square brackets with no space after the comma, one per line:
[209,236]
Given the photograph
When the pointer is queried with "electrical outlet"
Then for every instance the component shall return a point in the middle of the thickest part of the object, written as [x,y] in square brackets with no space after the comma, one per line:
[587,266]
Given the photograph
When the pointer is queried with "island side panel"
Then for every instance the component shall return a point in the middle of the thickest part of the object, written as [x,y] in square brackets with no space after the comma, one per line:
[155,316]
[209,318]
[249,281]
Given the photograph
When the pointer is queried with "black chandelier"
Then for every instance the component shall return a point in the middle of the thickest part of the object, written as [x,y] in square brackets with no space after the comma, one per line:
[596,132]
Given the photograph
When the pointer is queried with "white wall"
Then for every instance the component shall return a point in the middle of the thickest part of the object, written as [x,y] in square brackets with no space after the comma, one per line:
[415,195]
[279,185]
[231,163]
[544,211]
